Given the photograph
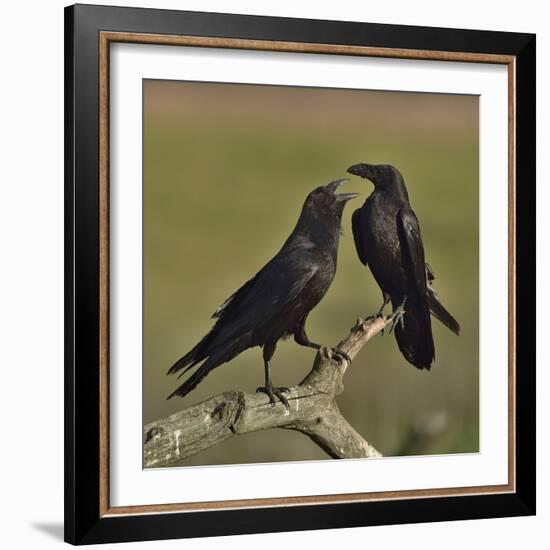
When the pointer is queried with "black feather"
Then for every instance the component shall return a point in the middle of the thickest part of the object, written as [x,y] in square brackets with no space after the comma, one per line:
[388,240]
[440,313]
[276,301]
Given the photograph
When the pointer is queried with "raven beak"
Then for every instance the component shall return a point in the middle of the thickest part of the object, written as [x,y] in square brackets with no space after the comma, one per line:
[342,197]
[363,170]
[333,187]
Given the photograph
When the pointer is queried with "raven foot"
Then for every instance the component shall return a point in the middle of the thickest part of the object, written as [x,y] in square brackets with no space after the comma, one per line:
[397,316]
[341,356]
[273,392]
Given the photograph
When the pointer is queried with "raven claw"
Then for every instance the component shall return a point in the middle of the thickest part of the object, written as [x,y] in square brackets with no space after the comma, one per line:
[273,392]
[340,356]
[398,315]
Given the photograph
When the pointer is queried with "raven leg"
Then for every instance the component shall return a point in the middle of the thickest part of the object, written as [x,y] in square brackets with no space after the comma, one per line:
[300,337]
[269,389]
[386,297]
[398,315]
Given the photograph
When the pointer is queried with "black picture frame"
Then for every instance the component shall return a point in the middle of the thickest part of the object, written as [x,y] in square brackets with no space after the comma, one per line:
[84,521]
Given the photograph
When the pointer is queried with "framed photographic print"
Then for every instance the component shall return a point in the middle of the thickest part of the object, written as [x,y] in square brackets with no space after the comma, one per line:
[299,274]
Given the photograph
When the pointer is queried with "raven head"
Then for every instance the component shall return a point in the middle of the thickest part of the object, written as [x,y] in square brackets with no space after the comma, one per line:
[383,176]
[325,200]
[321,215]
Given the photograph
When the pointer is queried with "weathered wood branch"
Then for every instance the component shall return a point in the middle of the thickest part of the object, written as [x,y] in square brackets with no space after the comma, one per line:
[313,411]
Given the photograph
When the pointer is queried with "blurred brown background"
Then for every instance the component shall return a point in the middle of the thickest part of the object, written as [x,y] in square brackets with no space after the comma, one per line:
[226,170]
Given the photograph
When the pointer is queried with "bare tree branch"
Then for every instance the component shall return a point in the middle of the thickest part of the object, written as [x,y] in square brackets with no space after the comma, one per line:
[313,411]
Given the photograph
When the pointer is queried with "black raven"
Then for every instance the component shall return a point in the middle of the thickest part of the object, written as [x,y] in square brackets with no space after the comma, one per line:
[387,238]
[276,302]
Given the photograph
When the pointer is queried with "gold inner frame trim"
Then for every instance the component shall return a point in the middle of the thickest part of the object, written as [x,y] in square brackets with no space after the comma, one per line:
[105,39]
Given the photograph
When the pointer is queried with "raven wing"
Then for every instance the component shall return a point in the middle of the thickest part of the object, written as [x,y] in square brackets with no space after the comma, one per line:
[357,223]
[408,230]
[262,304]
[265,301]
[414,335]
[233,301]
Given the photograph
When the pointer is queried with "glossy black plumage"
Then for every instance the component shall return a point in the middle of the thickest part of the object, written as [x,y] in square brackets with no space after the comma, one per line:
[277,300]
[388,240]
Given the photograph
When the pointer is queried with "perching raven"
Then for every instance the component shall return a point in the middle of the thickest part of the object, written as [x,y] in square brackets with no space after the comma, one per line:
[387,238]
[277,300]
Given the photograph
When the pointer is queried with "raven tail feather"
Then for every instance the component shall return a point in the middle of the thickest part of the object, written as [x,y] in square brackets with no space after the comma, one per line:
[440,313]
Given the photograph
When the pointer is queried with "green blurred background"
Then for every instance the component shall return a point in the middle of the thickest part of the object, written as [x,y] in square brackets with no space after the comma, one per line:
[226,170]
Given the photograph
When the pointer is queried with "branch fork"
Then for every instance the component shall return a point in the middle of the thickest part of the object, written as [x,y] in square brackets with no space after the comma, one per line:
[313,411]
